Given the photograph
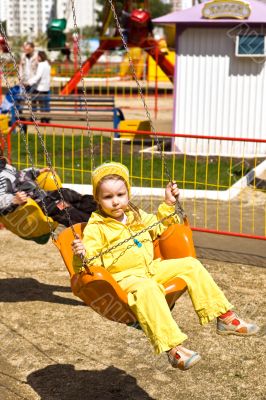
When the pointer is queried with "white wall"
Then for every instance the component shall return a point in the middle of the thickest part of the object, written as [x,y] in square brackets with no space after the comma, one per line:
[217,93]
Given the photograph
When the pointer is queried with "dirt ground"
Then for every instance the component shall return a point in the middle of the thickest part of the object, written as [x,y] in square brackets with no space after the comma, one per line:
[55,348]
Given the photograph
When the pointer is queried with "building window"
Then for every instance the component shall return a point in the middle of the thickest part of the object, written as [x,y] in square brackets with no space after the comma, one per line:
[250,46]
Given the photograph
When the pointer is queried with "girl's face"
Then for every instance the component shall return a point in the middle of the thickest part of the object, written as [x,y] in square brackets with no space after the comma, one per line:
[113,198]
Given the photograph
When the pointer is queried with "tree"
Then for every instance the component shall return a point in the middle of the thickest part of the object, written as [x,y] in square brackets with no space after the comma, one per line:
[157,8]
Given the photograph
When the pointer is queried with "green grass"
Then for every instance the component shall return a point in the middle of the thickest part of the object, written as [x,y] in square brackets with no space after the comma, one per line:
[71,157]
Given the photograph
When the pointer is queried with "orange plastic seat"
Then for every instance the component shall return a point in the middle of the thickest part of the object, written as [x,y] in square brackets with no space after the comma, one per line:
[100,290]
[177,242]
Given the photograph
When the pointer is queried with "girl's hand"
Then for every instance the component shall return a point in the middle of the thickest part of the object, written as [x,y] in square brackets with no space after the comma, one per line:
[20,198]
[171,193]
[78,247]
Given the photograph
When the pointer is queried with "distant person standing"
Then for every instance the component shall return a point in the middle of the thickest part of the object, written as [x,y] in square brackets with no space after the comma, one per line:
[40,83]
[28,64]
[66,51]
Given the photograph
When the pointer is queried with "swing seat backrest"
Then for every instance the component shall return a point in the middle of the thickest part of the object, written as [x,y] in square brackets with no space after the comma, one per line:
[177,242]
[28,221]
[64,241]
[101,292]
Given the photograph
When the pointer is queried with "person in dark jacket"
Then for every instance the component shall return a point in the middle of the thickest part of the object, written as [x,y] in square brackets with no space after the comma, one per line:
[16,186]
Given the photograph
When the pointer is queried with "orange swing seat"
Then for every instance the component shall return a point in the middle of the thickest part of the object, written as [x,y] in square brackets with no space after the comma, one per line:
[102,293]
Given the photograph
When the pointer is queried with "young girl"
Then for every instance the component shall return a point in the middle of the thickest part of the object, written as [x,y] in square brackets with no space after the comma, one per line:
[133,267]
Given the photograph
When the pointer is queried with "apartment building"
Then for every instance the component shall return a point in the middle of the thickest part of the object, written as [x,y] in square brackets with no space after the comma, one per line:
[3,8]
[30,17]
[25,17]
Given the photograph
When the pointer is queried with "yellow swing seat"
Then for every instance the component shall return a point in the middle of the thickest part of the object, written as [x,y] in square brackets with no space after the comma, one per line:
[103,294]
[29,222]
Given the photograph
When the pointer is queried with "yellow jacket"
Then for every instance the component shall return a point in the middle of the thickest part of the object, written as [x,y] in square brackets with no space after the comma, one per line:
[128,258]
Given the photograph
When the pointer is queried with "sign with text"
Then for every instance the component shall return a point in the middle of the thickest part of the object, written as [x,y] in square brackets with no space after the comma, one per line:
[226,9]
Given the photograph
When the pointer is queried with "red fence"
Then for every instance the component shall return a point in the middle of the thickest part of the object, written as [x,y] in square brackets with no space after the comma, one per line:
[223,195]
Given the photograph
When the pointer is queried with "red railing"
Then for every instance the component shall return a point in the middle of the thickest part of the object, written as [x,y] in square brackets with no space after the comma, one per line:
[230,209]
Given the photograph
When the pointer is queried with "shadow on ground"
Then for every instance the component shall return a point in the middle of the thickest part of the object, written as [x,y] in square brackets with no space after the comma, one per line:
[62,381]
[29,289]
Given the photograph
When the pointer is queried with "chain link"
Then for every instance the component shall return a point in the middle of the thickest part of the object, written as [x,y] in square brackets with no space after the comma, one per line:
[47,157]
[132,237]
[126,249]
[86,262]
[179,208]
[76,33]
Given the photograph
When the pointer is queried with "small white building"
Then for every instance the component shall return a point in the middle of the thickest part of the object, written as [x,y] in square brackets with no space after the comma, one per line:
[220,75]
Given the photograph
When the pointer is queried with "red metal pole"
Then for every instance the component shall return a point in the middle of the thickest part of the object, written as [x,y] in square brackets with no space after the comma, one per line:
[108,68]
[156,83]
[1,92]
[8,140]
[104,45]
[151,45]
[75,53]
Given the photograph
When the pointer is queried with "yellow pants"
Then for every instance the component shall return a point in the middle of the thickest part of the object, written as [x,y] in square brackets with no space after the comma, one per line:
[146,298]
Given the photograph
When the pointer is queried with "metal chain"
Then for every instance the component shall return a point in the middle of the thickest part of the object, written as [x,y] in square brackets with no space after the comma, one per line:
[28,101]
[83,84]
[179,208]
[148,228]
[25,139]
[85,262]
[124,251]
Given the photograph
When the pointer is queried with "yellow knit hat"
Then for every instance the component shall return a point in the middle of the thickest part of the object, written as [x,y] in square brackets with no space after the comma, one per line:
[109,168]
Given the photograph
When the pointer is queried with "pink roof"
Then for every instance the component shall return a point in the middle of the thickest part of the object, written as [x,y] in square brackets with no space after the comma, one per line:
[193,16]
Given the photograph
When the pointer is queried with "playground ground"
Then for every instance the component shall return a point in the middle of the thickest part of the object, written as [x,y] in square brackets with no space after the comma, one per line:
[55,348]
